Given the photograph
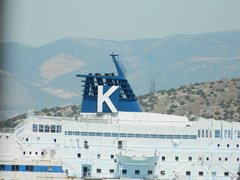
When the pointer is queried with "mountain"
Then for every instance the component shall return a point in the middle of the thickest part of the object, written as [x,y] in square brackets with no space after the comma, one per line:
[45,76]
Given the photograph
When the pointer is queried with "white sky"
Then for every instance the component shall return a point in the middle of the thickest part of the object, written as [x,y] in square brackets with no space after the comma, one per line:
[36,22]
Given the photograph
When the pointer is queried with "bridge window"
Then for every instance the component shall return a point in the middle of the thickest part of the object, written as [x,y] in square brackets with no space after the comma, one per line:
[53,128]
[217,133]
[227,133]
[34,127]
[40,128]
[47,128]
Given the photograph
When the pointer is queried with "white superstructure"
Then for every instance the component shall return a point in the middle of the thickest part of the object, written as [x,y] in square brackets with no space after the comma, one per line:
[131,145]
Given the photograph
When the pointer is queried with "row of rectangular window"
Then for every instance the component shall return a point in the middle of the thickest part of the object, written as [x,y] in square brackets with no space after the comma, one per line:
[217,133]
[47,128]
[130,135]
[124,171]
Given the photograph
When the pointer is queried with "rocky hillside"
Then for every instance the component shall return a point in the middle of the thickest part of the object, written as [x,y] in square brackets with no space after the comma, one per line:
[216,99]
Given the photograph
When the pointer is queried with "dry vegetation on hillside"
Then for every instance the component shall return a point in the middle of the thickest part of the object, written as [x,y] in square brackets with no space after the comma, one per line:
[217,99]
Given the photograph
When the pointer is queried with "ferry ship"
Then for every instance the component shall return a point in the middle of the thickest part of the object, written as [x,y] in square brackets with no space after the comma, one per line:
[113,139]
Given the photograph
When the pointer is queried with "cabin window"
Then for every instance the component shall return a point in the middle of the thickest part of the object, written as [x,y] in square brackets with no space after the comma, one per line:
[226,159]
[207,158]
[163,158]
[124,171]
[217,133]
[31,168]
[162,173]
[237,145]
[47,128]
[111,171]
[227,145]
[226,173]
[200,173]
[203,133]
[98,156]
[210,133]
[26,139]
[218,145]
[137,172]
[24,152]
[112,156]
[1,167]
[30,152]
[213,173]
[50,168]
[189,158]
[15,167]
[120,144]
[55,140]
[99,170]
[150,172]
[237,159]
[86,145]
[34,127]
[36,153]
[188,173]
[42,153]
[79,155]
[219,158]
[176,158]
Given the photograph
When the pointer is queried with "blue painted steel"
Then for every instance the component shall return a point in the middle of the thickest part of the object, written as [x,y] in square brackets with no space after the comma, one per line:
[123,98]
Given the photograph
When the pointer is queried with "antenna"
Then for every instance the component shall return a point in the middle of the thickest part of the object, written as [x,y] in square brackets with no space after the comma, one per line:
[153,84]
[119,66]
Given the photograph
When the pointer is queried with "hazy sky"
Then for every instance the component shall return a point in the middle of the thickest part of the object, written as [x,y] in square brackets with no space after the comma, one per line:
[36,22]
